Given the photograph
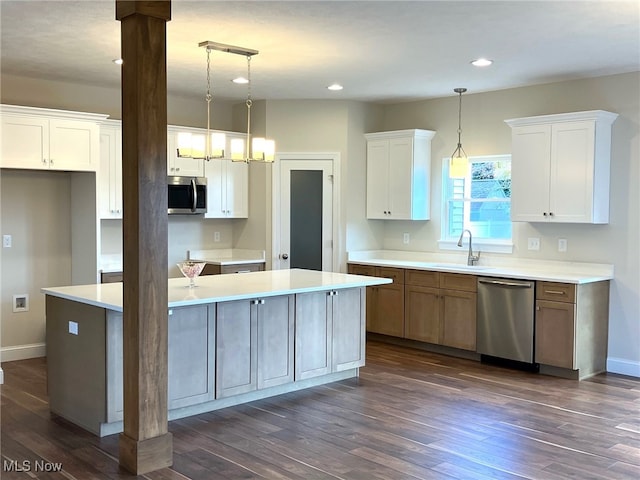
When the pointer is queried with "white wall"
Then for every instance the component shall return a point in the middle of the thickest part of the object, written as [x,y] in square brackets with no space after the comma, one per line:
[484,132]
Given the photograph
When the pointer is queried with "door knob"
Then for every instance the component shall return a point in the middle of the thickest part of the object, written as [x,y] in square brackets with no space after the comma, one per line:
[284,256]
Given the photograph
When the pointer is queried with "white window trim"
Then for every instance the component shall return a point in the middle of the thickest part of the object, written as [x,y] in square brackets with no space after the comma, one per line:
[482,244]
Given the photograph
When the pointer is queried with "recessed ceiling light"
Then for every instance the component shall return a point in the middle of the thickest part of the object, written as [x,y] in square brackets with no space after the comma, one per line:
[481,62]
[240,81]
[118,61]
[335,87]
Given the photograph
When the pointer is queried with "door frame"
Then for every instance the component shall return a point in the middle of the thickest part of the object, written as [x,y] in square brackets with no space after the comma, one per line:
[334,157]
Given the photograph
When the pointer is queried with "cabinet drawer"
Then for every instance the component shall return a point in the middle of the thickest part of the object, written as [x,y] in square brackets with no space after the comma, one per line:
[111,277]
[557,292]
[459,281]
[421,278]
[396,274]
[357,269]
[213,269]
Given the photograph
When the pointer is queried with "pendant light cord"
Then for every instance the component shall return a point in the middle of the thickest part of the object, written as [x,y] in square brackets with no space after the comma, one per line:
[249,103]
[208,97]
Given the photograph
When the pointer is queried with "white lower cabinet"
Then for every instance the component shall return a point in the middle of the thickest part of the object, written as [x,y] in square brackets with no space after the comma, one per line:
[330,332]
[254,344]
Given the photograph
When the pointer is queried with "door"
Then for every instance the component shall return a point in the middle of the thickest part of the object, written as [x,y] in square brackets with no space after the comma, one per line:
[304,222]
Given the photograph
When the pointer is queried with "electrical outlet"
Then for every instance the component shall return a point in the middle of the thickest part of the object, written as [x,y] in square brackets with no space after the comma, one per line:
[562,244]
[6,241]
[533,243]
[216,236]
[405,238]
[21,302]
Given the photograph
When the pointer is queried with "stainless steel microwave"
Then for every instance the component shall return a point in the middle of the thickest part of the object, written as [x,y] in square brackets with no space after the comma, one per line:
[187,195]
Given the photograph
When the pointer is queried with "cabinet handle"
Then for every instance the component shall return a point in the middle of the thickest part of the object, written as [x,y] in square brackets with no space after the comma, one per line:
[51,161]
[243,271]
[551,214]
[254,302]
[544,214]
[555,292]
[177,169]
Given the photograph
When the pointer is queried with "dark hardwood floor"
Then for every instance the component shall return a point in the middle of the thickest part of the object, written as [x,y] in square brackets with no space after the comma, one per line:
[411,414]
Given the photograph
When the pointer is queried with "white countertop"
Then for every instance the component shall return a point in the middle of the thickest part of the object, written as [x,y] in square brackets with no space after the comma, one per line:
[227,256]
[527,269]
[221,288]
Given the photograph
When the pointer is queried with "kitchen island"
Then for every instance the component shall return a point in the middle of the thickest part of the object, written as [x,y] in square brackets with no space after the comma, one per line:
[232,339]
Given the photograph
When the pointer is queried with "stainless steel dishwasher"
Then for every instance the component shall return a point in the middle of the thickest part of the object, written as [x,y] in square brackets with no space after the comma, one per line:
[506,320]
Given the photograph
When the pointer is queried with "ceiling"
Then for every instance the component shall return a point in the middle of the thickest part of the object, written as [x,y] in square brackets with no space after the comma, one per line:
[381,51]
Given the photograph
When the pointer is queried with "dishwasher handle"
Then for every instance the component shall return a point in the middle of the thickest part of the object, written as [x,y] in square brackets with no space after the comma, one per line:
[503,283]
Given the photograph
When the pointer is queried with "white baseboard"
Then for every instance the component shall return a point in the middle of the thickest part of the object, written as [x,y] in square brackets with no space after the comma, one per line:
[22,352]
[623,367]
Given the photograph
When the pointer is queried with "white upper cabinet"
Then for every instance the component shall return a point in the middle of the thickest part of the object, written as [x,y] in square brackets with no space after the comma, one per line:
[110,172]
[560,167]
[45,139]
[181,166]
[398,174]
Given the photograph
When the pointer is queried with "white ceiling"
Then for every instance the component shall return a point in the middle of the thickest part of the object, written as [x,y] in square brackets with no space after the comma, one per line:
[381,51]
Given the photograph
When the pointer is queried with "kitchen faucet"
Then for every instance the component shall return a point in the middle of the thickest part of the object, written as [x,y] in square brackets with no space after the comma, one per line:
[471,258]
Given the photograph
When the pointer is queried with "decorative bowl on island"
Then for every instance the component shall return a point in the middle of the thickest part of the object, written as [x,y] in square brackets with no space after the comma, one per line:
[191,270]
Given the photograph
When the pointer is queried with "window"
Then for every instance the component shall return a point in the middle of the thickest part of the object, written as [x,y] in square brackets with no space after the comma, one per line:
[480,202]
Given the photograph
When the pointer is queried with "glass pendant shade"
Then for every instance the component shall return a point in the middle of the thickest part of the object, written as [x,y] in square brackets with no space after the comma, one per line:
[269,150]
[216,148]
[237,149]
[458,166]
[184,145]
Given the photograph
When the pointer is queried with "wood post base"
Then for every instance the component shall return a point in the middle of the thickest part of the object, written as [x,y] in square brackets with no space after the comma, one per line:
[144,456]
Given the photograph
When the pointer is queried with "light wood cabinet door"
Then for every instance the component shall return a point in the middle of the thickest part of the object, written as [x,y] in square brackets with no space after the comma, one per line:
[348,332]
[236,352]
[191,355]
[422,314]
[387,315]
[555,334]
[312,335]
[275,340]
[458,310]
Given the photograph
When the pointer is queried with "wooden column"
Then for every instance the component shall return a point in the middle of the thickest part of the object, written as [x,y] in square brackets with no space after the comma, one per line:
[145,444]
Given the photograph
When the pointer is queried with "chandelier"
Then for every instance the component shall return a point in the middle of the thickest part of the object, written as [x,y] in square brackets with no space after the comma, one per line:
[212,145]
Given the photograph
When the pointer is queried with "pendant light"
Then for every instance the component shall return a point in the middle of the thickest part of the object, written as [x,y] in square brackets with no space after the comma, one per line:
[258,149]
[459,163]
[212,144]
